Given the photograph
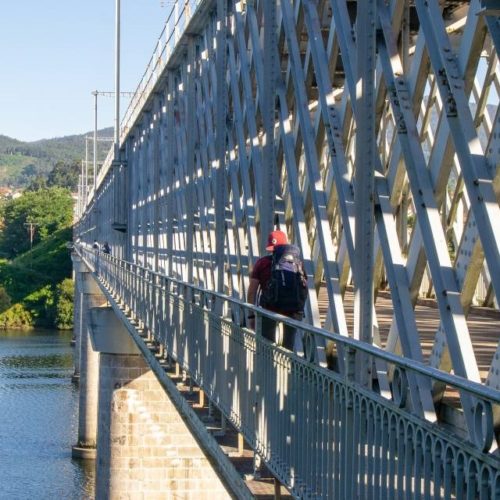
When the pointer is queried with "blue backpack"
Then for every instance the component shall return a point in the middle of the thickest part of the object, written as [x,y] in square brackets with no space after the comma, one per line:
[287,289]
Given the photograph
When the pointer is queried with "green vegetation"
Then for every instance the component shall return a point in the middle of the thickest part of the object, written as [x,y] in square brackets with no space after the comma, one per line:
[21,162]
[34,285]
[64,306]
[17,169]
[64,175]
[16,316]
[5,301]
[42,212]
[35,264]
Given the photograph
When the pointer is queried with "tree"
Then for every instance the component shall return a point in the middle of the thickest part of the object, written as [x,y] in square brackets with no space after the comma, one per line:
[64,306]
[64,175]
[47,210]
[26,176]
[38,183]
[29,170]
[5,301]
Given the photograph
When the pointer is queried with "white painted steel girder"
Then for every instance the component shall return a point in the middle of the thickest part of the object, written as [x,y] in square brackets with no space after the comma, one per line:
[252,110]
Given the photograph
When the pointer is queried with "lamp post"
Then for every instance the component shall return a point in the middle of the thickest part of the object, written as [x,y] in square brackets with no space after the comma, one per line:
[117,81]
[95,94]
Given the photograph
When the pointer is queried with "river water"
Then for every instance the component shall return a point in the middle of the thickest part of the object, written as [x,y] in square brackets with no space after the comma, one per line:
[39,419]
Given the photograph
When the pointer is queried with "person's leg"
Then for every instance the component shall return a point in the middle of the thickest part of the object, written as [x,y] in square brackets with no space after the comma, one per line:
[268,329]
[289,333]
[288,336]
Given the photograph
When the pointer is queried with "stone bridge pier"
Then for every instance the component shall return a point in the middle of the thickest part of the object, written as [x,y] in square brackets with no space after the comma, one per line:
[142,445]
[77,317]
[88,361]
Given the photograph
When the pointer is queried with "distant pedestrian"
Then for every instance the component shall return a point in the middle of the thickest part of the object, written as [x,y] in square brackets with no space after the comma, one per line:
[106,248]
[95,246]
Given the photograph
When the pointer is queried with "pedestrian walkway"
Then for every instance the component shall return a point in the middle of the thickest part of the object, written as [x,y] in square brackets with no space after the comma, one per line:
[483,322]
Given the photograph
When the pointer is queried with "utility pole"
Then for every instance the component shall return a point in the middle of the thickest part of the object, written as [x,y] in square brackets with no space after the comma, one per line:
[31,232]
[86,165]
[97,93]
[83,192]
[117,81]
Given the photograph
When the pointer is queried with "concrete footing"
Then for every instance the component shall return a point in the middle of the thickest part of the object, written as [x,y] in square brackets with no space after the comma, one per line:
[83,453]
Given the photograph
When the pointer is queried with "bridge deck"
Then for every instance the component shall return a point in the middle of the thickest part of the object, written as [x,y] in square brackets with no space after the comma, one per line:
[484,325]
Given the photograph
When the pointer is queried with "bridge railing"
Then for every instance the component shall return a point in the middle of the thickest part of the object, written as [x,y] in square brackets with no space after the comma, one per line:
[175,26]
[320,432]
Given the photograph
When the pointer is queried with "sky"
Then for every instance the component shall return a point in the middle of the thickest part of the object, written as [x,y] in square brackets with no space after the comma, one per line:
[54,53]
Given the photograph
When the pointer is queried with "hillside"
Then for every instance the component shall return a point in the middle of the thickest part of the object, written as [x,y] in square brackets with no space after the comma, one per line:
[34,281]
[35,278]
[47,264]
[21,162]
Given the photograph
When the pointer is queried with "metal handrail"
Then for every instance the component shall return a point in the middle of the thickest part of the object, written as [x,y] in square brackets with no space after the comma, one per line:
[314,427]
[474,388]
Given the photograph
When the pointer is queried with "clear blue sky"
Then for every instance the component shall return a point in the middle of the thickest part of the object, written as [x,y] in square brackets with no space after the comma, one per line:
[54,53]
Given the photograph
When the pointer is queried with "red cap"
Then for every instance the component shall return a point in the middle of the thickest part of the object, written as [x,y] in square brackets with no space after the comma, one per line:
[276,238]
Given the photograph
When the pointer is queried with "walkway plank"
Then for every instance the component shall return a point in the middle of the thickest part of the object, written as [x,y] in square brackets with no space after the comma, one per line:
[484,325]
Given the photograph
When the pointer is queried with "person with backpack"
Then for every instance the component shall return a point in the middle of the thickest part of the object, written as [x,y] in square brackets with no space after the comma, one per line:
[282,282]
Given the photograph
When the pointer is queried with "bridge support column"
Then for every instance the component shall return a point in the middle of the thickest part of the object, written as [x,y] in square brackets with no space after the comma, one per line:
[144,446]
[91,296]
[77,331]
[78,266]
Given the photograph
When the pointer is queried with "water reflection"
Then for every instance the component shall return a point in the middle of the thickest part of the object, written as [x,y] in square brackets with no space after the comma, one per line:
[38,419]
[54,361]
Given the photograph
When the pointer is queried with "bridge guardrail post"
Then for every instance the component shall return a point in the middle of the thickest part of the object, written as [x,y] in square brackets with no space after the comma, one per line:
[350,364]
[258,394]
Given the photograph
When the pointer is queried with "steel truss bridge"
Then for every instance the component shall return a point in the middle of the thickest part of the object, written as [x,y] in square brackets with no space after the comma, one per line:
[370,132]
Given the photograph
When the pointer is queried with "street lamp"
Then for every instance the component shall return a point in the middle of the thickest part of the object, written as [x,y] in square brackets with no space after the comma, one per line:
[95,93]
[117,81]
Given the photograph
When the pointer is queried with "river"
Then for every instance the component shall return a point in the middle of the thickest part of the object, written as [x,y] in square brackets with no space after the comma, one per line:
[39,419]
